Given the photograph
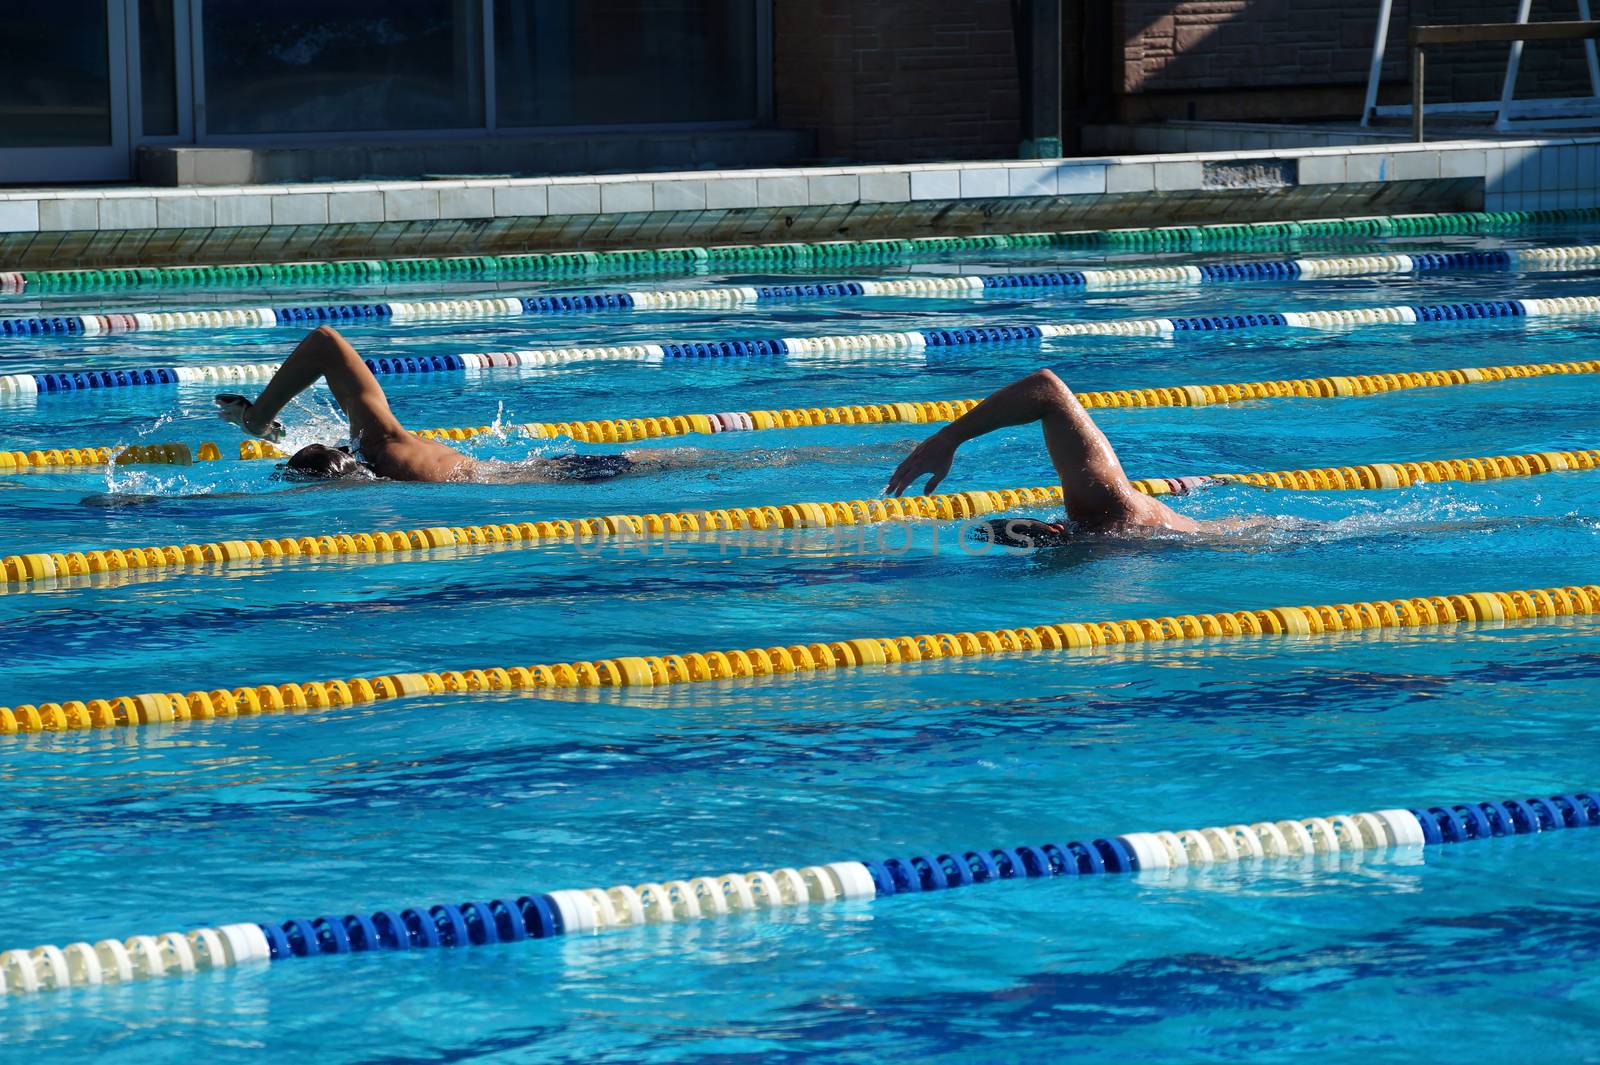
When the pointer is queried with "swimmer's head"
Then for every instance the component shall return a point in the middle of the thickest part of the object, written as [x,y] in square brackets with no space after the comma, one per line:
[318,462]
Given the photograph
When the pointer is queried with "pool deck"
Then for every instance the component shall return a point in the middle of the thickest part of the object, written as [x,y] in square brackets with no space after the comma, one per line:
[124,226]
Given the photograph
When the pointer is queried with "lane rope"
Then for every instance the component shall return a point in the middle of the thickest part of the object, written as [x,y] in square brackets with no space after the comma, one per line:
[940,507]
[498,305]
[590,911]
[928,412]
[913,343]
[369,547]
[64,458]
[657,670]
[915,412]
[565,264]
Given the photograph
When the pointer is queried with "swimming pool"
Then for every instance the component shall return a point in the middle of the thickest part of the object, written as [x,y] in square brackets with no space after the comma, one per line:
[449,796]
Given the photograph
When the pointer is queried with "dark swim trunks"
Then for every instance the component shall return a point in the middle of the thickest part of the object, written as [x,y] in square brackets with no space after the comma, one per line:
[589,468]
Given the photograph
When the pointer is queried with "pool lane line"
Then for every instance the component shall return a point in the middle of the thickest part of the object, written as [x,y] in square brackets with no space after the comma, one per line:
[915,412]
[1219,236]
[591,911]
[928,412]
[368,548]
[724,296]
[850,653]
[913,343]
[77,458]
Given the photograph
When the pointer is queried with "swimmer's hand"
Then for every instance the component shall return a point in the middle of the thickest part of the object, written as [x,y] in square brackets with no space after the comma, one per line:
[931,457]
[235,410]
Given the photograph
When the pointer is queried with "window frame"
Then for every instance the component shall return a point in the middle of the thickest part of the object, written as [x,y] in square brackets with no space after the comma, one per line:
[183,35]
[57,164]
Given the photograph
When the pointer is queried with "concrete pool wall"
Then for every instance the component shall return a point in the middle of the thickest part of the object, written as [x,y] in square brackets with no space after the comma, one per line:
[124,226]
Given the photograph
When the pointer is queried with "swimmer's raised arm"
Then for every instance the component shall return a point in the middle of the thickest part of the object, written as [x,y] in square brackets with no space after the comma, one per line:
[323,354]
[1096,490]
[1077,446]
[379,438]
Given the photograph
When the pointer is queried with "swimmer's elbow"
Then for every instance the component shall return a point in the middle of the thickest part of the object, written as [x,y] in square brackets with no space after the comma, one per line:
[1047,381]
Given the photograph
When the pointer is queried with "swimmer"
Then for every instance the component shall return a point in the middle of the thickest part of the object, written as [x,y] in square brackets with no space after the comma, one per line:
[379,445]
[1100,499]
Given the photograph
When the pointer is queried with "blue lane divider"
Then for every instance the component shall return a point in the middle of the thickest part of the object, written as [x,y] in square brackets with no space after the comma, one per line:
[981,334]
[819,290]
[73,380]
[416,364]
[1461,312]
[829,346]
[1056,279]
[589,301]
[1227,321]
[731,295]
[589,910]
[725,349]
[333,312]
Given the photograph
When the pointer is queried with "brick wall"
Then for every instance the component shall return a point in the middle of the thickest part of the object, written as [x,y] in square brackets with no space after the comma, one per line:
[1217,44]
[897,79]
[1308,45]
[909,80]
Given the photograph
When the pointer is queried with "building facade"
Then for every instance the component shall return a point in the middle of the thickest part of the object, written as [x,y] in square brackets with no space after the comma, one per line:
[93,81]
[238,91]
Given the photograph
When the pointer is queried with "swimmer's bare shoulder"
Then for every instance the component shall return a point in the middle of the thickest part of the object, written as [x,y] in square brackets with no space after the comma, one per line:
[1141,514]
[405,456]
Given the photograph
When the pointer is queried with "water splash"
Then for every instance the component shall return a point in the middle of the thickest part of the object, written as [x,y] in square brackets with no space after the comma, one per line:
[316,419]
[114,475]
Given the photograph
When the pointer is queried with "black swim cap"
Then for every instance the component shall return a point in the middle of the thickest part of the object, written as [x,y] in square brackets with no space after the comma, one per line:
[1025,533]
[323,463]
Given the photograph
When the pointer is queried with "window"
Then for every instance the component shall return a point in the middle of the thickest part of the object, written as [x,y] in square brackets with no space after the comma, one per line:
[58,75]
[307,66]
[624,62]
[290,71]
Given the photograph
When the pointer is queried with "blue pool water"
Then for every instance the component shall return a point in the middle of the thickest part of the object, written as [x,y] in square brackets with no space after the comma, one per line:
[1378,957]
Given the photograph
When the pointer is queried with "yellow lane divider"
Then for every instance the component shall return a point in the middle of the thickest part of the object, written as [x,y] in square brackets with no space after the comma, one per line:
[651,670]
[920,412]
[630,430]
[131,454]
[954,506]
